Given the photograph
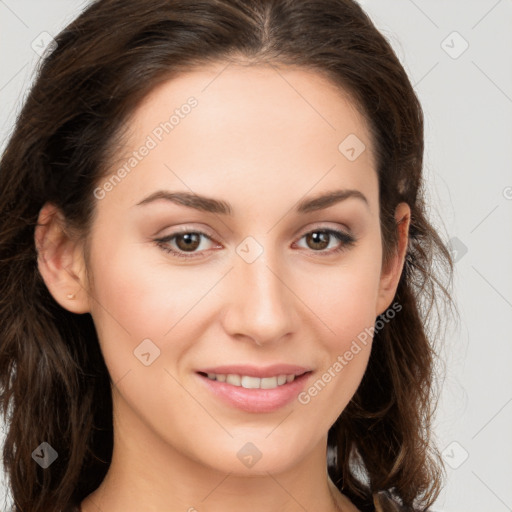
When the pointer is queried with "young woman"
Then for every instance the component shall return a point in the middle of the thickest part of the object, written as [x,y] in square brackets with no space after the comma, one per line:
[216,269]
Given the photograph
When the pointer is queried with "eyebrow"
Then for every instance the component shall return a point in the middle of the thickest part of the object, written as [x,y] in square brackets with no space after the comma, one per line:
[211,205]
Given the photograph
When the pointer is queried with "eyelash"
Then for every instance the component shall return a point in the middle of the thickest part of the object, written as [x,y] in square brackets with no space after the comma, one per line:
[348,242]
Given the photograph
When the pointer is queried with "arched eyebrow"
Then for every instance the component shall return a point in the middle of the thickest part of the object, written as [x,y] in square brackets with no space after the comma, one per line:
[212,205]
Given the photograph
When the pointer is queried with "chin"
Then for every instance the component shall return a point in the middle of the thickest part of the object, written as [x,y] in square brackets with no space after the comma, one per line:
[258,457]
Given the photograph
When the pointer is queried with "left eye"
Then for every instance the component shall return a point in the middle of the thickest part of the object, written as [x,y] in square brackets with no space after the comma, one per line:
[319,237]
[189,241]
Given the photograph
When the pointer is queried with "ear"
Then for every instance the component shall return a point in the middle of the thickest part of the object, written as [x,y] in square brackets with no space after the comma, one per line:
[390,275]
[60,260]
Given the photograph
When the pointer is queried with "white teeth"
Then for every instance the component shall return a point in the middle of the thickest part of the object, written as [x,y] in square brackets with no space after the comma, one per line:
[235,380]
[249,382]
[269,383]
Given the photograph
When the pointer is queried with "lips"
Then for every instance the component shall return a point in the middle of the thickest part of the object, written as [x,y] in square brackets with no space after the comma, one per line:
[255,389]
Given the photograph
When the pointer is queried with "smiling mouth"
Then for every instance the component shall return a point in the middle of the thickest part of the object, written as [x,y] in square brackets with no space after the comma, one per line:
[249,382]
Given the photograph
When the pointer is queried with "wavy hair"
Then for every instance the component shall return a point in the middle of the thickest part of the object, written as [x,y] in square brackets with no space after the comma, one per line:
[53,379]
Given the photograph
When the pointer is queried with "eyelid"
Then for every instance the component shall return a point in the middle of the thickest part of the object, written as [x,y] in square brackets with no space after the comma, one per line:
[320,226]
[191,229]
[184,228]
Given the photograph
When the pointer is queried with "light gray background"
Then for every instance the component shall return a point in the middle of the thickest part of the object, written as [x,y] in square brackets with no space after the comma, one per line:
[467,99]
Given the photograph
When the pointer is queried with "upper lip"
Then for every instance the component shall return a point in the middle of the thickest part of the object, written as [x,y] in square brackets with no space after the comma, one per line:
[255,371]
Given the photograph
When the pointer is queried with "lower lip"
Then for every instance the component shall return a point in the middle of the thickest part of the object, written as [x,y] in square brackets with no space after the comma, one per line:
[257,400]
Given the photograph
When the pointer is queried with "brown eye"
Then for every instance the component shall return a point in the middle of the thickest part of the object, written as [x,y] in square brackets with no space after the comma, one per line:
[318,239]
[183,242]
[188,241]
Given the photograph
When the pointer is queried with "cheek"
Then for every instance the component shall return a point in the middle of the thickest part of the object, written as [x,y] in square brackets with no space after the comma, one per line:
[138,298]
[345,304]
[142,292]
[143,296]
[345,298]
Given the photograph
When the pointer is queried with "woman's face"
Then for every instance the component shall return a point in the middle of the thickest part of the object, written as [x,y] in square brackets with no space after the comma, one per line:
[241,273]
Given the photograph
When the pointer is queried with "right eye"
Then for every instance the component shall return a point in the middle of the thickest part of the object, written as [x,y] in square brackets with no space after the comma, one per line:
[184,242]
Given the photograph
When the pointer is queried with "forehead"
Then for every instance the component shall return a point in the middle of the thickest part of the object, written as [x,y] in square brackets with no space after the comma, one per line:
[274,92]
[238,125]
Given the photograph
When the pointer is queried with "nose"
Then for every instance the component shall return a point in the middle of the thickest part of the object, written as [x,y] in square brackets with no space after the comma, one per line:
[262,307]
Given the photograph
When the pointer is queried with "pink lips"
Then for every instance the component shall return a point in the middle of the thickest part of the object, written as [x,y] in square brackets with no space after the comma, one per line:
[256,400]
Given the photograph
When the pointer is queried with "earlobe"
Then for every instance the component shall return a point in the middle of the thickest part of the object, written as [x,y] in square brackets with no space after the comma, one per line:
[60,261]
[391,276]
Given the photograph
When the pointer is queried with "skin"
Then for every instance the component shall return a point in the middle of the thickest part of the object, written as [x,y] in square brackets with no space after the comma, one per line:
[261,138]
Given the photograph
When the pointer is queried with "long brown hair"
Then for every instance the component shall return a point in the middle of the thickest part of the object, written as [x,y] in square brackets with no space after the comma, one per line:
[53,378]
